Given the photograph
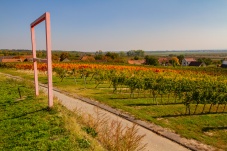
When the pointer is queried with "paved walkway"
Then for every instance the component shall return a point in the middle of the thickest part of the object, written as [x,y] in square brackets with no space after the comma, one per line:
[157,138]
[154,142]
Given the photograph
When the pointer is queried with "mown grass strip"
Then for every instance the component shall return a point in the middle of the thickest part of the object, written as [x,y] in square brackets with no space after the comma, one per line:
[27,124]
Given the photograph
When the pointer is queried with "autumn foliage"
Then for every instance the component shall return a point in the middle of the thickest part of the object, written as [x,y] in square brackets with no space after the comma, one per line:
[162,84]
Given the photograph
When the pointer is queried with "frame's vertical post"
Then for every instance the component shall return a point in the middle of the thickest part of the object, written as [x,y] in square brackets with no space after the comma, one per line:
[34,61]
[49,60]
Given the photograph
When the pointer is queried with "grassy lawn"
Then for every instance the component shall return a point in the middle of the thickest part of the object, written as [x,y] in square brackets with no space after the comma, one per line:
[209,128]
[27,124]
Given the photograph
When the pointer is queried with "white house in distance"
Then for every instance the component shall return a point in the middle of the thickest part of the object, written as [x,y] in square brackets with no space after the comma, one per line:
[187,61]
[224,64]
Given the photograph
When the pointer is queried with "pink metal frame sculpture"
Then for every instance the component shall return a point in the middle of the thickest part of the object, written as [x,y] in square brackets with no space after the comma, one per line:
[46,17]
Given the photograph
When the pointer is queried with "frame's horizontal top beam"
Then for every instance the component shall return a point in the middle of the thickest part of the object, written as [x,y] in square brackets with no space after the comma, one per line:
[39,20]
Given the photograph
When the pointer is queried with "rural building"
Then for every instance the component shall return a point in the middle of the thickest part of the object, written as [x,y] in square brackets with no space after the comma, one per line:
[197,64]
[5,57]
[11,60]
[66,60]
[25,57]
[224,64]
[187,61]
[136,62]
[87,58]
[163,61]
[14,58]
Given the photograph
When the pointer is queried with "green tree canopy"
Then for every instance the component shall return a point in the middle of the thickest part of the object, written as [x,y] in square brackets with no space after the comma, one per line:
[98,55]
[180,57]
[150,60]
[139,53]
[112,55]
[207,61]
[64,55]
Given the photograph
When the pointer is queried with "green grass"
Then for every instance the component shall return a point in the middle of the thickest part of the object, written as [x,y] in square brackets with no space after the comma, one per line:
[208,128]
[27,124]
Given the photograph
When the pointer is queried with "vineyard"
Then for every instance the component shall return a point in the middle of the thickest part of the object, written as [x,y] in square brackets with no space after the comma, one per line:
[163,86]
[190,101]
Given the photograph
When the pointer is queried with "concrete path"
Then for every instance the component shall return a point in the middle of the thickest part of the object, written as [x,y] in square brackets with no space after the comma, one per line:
[154,142]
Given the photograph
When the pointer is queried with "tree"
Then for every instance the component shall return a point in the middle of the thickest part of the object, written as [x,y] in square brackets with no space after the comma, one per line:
[180,57]
[64,55]
[55,58]
[41,54]
[112,55]
[98,55]
[122,54]
[207,61]
[150,60]
[136,58]
[175,61]
[139,53]
[99,52]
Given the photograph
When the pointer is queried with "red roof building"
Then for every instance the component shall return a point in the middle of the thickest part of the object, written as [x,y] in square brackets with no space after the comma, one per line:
[187,61]
[163,61]
[137,62]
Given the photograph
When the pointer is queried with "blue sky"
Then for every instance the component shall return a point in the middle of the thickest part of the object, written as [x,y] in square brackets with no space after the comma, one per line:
[116,25]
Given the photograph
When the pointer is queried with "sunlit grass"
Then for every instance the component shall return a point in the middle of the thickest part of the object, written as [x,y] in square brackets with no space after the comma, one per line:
[27,124]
